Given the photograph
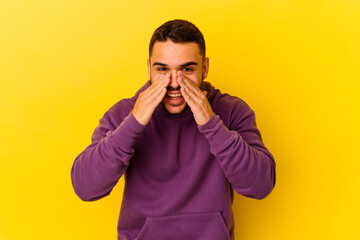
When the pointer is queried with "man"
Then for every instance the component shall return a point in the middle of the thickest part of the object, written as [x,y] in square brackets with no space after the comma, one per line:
[182,145]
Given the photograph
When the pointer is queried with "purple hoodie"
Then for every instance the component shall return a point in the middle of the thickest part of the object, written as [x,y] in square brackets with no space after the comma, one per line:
[179,177]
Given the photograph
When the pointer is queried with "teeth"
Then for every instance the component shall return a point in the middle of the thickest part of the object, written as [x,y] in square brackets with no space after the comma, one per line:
[174,95]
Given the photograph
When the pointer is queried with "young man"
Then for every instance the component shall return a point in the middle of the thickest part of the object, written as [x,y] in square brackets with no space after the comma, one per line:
[182,145]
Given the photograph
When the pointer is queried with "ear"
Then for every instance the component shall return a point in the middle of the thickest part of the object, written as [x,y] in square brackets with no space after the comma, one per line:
[149,69]
[205,68]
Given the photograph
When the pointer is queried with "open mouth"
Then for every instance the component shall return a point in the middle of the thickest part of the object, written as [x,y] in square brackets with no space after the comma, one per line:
[174,95]
[174,99]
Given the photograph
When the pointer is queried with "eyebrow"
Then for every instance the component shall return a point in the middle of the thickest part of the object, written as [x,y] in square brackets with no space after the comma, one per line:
[188,64]
[183,65]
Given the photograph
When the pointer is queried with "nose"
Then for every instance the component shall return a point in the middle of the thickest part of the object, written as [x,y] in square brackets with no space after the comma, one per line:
[173,80]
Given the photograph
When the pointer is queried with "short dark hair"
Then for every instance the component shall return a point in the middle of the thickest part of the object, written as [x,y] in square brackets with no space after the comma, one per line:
[178,31]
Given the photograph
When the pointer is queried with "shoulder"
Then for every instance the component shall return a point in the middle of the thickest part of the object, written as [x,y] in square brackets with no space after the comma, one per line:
[232,110]
[223,101]
[229,103]
[116,114]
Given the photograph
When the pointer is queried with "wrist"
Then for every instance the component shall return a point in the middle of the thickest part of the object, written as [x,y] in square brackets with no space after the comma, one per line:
[139,119]
[205,119]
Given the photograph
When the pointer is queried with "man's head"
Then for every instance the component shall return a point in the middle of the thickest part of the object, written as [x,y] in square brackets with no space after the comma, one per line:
[178,31]
[177,48]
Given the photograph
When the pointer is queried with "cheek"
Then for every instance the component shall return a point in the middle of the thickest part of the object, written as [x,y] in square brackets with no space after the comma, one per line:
[197,79]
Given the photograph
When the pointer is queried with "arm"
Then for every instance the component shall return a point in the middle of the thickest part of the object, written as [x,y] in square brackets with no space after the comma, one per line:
[247,164]
[98,168]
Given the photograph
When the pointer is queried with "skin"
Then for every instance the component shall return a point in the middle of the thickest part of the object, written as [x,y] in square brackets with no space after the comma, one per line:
[175,68]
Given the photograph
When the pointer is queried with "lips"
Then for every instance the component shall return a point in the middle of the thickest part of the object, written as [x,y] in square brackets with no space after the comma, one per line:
[174,98]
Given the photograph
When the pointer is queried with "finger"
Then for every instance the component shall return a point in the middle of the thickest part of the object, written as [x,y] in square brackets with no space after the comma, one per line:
[161,77]
[158,85]
[196,94]
[188,82]
[187,92]
[191,86]
[188,99]
[154,85]
[159,97]
[161,80]
[191,99]
[160,90]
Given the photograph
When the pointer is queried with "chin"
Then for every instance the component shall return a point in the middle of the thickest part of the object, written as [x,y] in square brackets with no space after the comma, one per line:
[175,109]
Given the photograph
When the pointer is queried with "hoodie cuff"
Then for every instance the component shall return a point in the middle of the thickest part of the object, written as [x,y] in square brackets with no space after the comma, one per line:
[127,132]
[216,132]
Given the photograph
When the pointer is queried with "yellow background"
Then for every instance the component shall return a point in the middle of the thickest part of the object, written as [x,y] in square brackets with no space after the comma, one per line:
[296,63]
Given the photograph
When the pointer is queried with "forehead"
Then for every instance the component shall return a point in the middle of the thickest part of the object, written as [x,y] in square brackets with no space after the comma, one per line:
[170,52]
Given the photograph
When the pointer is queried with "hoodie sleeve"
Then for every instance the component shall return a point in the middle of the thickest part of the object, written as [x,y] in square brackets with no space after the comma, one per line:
[98,168]
[246,163]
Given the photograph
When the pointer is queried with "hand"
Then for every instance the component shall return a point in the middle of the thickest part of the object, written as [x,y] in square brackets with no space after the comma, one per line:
[149,99]
[196,99]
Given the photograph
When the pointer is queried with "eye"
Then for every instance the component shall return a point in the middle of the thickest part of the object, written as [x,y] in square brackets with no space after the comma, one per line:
[188,69]
[161,69]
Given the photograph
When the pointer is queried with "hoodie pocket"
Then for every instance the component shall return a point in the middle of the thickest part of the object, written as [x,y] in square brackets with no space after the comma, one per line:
[209,226]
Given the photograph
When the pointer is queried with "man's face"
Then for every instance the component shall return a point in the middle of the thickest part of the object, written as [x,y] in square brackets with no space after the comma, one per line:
[173,58]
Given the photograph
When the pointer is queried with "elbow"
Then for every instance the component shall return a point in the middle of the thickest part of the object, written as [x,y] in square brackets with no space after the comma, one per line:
[84,189]
[88,198]
[260,188]
[266,187]
[85,194]
[78,184]
[80,188]
[84,197]
[259,192]
[263,193]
